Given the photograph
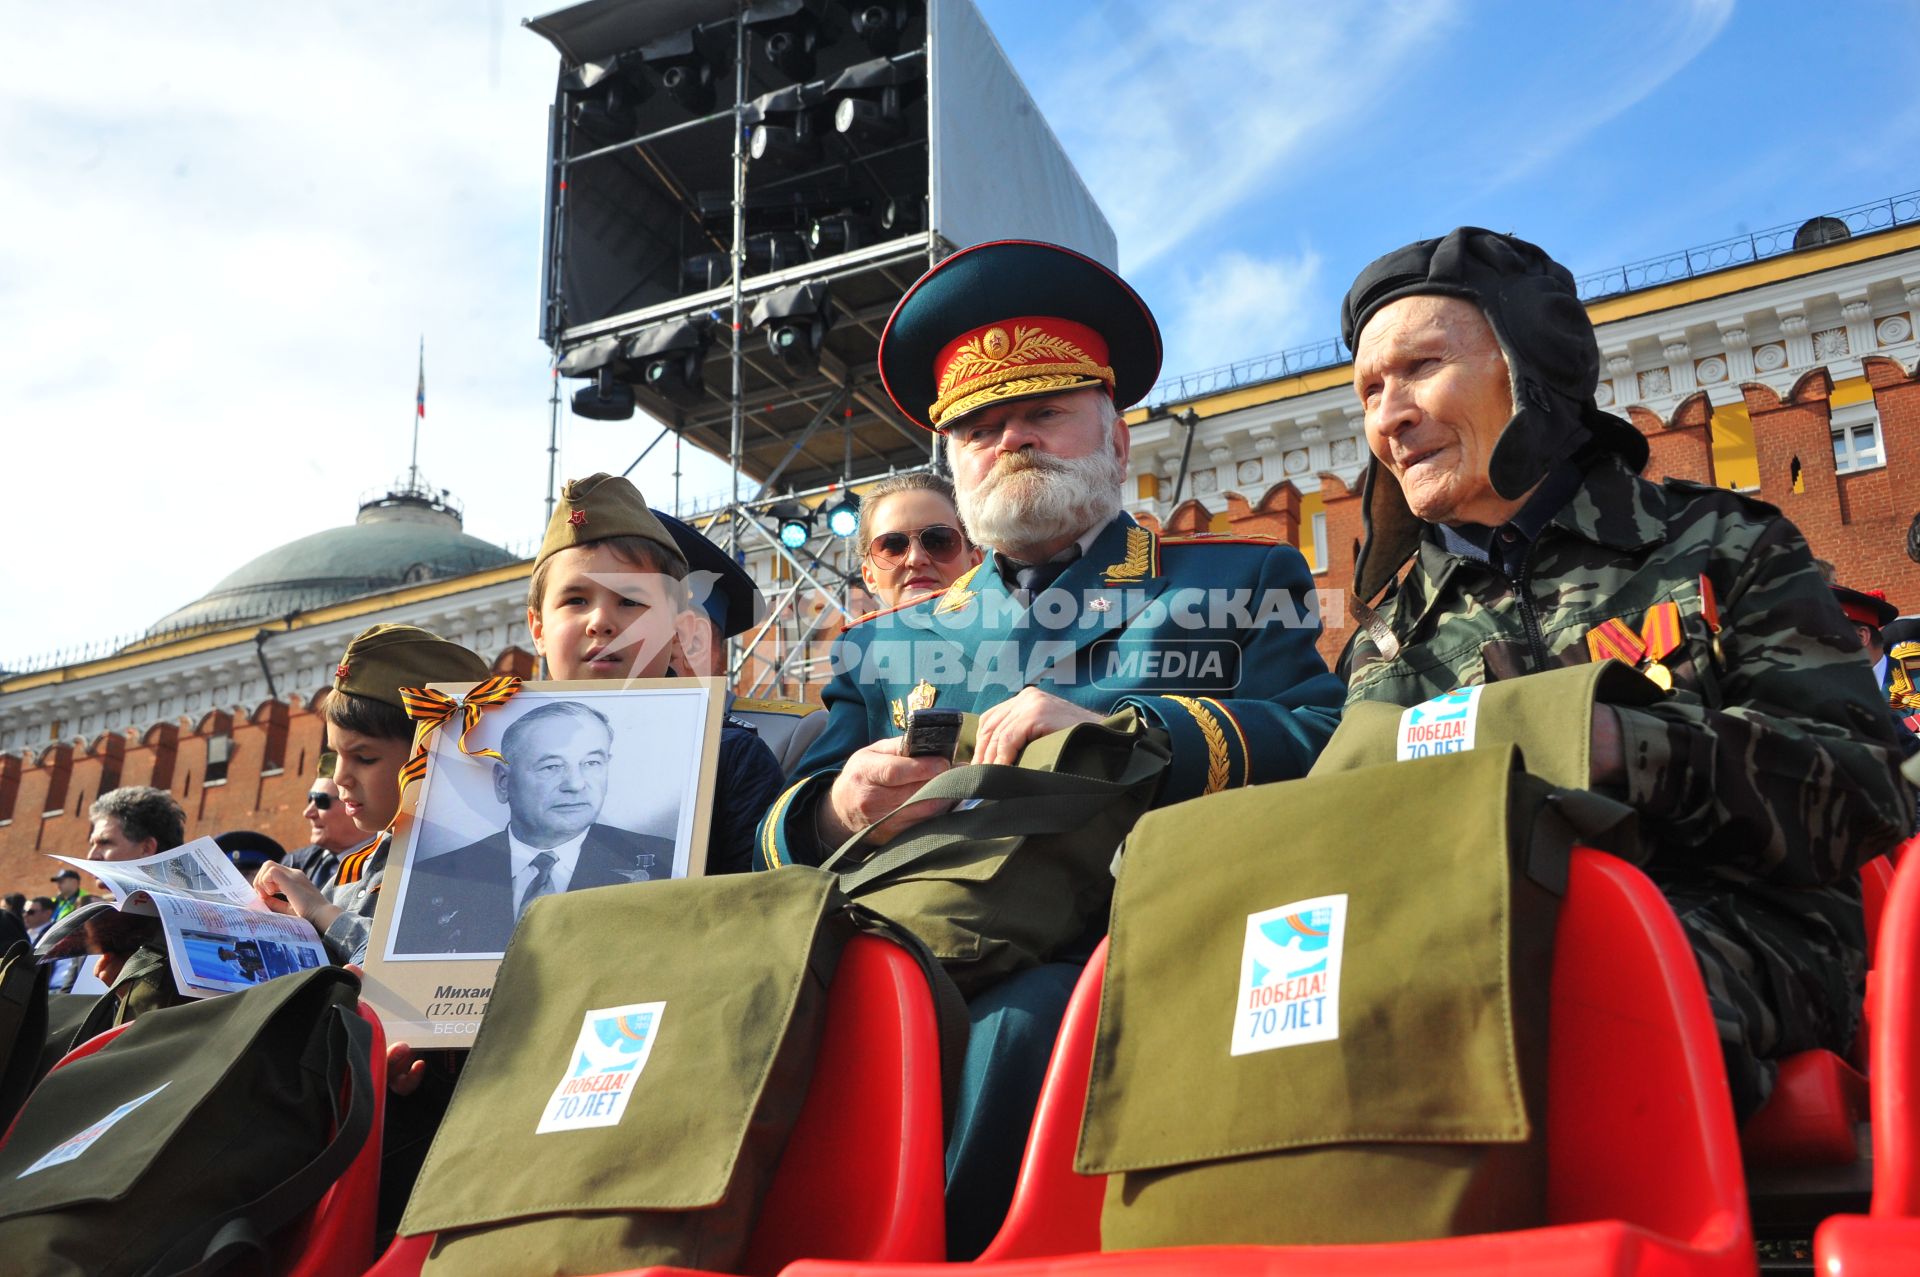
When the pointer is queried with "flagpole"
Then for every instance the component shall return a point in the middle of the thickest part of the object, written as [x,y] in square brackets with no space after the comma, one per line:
[419,411]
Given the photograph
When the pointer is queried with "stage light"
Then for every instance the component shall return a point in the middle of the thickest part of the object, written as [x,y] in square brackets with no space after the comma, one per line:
[686,64]
[789,32]
[669,357]
[868,120]
[796,523]
[703,271]
[840,233]
[775,250]
[603,99]
[900,217]
[607,399]
[843,518]
[879,26]
[787,143]
[796,321]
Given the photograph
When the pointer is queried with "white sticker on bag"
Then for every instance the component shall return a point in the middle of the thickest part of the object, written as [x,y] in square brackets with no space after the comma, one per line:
[1290,975]
[607,1060]
[1443,725]
[74,1145]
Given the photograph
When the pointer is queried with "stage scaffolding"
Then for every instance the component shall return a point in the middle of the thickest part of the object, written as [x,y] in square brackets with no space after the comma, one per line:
[673,254]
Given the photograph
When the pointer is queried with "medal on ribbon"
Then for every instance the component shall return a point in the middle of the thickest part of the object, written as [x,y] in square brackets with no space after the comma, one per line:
[1659,635]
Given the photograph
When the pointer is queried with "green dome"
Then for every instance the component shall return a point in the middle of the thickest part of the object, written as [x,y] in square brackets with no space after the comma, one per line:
[403,538]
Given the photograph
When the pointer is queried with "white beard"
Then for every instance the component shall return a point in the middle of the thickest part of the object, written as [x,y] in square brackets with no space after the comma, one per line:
[1031,499]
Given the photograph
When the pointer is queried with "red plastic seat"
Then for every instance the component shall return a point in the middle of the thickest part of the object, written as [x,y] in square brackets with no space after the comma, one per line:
[1887,1239]
[1644,1164]
[864,1173]
[336,1237]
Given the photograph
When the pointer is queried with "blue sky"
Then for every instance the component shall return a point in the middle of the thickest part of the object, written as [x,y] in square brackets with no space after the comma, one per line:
[227,224]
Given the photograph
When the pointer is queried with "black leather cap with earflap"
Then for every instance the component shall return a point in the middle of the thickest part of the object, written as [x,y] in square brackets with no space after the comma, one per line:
[1553,362]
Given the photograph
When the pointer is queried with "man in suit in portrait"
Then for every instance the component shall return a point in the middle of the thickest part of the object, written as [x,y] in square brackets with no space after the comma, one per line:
[553,779]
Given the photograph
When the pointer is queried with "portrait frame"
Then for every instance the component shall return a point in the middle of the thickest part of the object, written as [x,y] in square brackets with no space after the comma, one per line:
[461,841]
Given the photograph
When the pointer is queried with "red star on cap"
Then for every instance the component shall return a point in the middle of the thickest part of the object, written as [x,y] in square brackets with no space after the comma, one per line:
[577,518]
[340,671]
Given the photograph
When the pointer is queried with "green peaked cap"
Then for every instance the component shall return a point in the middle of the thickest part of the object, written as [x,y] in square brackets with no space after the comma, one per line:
[382,660]
[601,506]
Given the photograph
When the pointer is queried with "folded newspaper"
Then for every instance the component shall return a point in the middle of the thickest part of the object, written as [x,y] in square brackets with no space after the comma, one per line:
[220,937]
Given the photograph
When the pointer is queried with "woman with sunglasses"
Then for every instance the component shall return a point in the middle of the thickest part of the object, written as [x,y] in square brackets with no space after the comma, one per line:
[911,541]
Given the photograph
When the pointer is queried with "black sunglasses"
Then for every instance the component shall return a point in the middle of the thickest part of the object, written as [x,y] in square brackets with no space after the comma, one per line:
[320,801]
[940,542]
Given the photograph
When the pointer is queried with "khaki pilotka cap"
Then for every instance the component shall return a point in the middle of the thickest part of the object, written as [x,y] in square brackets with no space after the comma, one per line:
[382,660]
[601,506]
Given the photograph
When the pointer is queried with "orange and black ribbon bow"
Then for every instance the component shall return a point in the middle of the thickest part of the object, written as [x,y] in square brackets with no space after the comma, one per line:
[1659,635]
[432,709]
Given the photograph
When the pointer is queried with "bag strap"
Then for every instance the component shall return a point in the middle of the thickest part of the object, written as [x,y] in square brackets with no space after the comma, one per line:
[23,1010]
[1026,801]
[247,1230]
[949,1008]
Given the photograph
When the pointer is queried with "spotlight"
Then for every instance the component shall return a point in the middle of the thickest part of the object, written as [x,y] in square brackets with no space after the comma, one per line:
[607,399]
[789,32]
[703,271]
[900,217]
[796,320]
[869,120]
[790,143]
[796,523]
[879,26]
[669,357]
[843,517]
[686,68]
[840,233]
[603,99]
[775,250]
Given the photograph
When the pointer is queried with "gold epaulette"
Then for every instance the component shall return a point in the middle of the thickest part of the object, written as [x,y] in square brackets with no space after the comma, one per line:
[797,709]
[1222,538]
[868,616]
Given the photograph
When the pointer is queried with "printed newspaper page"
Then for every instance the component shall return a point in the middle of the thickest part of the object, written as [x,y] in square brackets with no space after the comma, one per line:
[219,937]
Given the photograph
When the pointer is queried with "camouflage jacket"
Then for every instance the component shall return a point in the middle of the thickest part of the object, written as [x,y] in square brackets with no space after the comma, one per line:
[1769,763]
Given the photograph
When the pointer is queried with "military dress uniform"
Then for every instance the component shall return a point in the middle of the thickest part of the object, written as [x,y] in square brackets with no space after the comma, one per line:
[1211,640]
[1765,776]
[1262,713]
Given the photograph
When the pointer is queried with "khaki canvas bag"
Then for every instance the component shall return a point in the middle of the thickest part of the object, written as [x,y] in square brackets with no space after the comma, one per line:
[1417,1112]
[188,1141]
[643,1059]
[23,1026]
[1011,882]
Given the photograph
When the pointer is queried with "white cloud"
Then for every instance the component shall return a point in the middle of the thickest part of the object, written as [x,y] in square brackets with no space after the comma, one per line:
[1175,114]
[1217,306]
[227,227]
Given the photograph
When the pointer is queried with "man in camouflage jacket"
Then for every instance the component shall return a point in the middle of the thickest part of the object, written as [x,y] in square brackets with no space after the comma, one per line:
[1767,774]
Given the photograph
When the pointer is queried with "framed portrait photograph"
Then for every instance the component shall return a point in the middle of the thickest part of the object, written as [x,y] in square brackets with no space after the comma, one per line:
[596,784]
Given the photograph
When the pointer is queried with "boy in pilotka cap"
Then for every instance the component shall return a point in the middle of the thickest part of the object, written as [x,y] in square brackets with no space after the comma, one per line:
[609,600]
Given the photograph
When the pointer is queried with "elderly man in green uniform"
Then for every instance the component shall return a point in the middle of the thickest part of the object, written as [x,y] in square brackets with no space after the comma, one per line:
[1766,772]
[1022,355]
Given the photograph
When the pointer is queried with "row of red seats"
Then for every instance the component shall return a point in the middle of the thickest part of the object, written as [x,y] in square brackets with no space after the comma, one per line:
[1646,1172]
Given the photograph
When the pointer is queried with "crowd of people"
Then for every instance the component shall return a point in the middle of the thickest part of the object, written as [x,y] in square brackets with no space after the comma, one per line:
[1508,532]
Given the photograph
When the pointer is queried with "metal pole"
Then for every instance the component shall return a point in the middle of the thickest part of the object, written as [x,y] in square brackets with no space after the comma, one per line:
[737,445]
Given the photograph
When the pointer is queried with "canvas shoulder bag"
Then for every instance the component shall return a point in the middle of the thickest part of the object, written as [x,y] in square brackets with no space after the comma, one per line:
[644,1057]
[150,1156]
[1023,866]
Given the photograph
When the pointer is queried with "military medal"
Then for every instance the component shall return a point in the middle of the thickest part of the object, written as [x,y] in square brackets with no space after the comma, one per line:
[1661,634]
[899,714]
[1100,603]
[1710,613]
[922,696]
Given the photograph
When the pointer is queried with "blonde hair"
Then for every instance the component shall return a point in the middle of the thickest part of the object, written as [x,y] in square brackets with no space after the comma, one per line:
[893,486]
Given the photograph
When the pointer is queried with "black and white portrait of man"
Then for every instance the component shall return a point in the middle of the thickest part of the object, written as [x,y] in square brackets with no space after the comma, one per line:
[556,759]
